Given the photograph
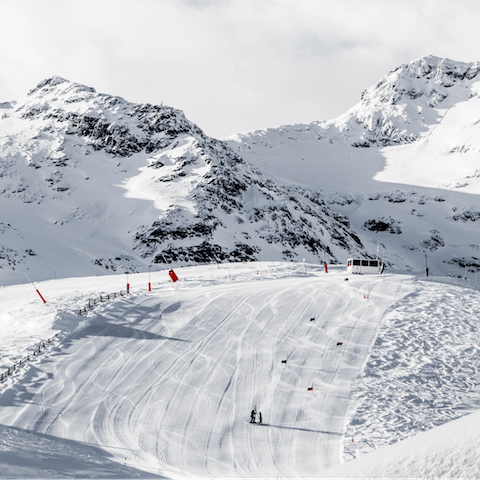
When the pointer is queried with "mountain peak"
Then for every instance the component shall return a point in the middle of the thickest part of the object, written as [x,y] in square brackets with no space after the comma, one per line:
[404,104]
[400,108]
[51,84]
[440,71]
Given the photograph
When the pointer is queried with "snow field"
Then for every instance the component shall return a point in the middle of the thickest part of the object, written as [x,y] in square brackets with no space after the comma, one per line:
[424,368]
[167,380]
[163,383]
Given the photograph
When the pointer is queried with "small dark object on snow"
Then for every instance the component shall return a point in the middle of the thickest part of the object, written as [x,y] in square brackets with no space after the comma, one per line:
[310,389]
[339,343]
[284,361]
[312,319]
[346,279]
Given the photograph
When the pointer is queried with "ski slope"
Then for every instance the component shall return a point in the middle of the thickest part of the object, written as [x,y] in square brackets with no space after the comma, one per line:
[163,383]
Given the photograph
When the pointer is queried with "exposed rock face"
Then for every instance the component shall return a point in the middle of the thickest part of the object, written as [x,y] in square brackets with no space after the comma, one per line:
[383,225]
[239,213]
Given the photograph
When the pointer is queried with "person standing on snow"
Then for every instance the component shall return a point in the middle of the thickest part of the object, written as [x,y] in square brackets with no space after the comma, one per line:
[252,416]
[259,417]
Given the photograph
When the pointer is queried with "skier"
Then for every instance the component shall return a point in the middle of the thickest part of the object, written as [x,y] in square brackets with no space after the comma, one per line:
[259,417]
[252,416]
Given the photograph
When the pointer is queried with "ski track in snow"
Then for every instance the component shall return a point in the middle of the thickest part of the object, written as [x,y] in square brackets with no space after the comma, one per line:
[164,382]
[423,371]
[167,381]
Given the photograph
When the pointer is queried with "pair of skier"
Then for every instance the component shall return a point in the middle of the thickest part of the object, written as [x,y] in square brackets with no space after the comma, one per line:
[253,417]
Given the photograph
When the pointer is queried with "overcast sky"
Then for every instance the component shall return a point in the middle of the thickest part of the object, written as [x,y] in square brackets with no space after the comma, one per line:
[230,65]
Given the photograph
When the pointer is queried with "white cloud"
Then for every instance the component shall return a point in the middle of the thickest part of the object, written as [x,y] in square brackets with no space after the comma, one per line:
[230,65]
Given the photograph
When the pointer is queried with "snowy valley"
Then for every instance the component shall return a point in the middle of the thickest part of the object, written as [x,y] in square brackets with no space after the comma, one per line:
[98,192]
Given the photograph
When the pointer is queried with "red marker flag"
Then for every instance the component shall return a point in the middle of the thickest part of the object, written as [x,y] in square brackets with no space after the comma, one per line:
[36,289]
[173,275]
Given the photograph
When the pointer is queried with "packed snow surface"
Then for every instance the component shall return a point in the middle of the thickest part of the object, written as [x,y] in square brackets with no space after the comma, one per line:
[163,382]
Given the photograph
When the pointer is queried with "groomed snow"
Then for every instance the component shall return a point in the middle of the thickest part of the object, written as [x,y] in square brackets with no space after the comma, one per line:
[163,383]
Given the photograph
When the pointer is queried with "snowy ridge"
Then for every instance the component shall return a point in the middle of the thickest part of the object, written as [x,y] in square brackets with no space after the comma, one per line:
[399,109]
[231,202]
[404,104]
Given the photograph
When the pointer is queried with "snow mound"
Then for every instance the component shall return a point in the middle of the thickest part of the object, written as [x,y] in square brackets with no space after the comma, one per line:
[448,451]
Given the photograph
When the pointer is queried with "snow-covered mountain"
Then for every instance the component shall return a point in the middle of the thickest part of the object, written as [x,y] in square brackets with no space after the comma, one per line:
[414,185]
[405,103]
[162,382]
[397,110]
[91,183]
